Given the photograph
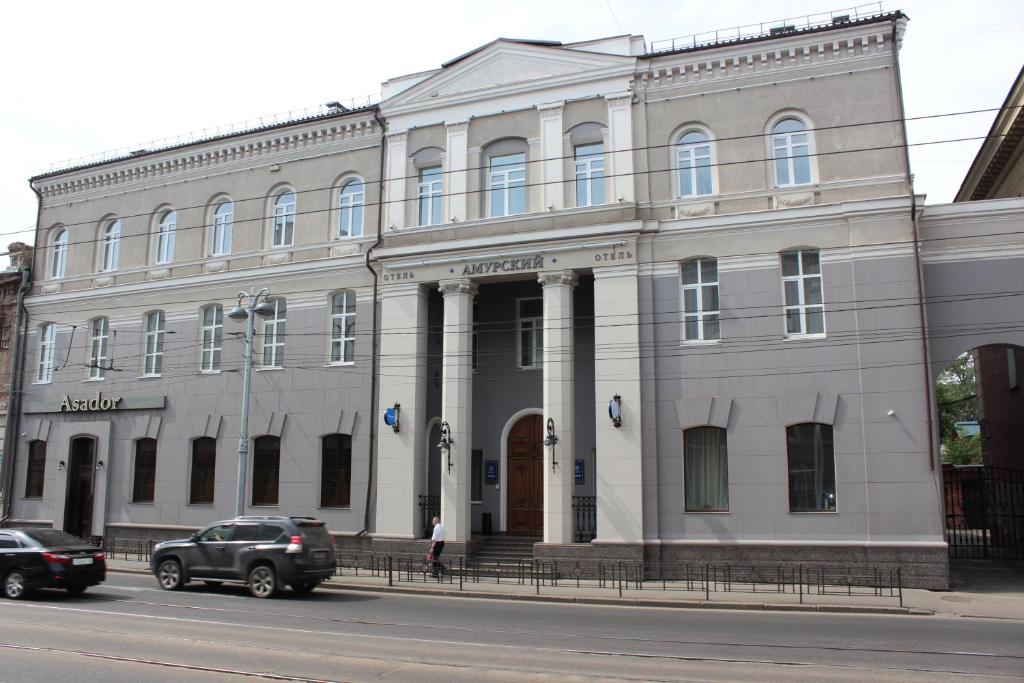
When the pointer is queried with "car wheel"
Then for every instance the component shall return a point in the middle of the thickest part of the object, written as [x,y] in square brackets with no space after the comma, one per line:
[75,589]
[168,574]
[262,581]
[14,585]
[303,587]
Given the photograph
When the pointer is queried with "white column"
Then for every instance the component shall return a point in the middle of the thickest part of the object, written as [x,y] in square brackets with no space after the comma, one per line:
[457,406]
[620,137]
[403,371]
[617,371]
[457,157]
[550,169]
[395,174]
[558,404]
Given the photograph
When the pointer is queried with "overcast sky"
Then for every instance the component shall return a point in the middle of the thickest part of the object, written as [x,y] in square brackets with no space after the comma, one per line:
[81,78]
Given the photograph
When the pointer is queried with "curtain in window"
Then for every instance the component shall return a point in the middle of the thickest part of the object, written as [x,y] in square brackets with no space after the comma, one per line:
[706,470]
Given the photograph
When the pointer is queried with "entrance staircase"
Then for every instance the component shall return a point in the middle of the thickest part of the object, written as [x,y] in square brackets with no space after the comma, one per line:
[506,552]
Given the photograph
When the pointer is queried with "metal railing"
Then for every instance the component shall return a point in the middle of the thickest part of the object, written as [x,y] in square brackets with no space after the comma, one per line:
[584,515]
[429,507]
[984,512]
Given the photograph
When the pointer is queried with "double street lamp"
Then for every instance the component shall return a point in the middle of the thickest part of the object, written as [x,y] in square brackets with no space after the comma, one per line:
[256,305]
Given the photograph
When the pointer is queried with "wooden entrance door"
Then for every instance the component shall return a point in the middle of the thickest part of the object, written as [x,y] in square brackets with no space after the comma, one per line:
[526,478]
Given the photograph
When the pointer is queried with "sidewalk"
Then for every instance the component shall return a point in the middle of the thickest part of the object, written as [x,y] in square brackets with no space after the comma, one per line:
[981,591]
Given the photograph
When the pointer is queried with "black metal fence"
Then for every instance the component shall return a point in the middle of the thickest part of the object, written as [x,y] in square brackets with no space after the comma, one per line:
[984,512]
[584,514]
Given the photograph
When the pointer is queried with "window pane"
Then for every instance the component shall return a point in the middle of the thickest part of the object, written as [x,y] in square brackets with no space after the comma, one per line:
[782,171]
[709,270]
[810,261]
[812,478]
[531,308]
[690,300]
[204,463]
[266,463]
[815,320]
[812,290]
[689,273]
[497,203]
[691,328]
[793,321]
[706,469]
[711,327]
[710,298]
[792,289]
[246,532]
[597,189]
[336,470]
[790,263]
[517,200]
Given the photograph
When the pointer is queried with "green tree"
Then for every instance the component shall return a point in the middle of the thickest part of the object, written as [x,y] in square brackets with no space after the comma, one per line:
[963,450]
[956,394]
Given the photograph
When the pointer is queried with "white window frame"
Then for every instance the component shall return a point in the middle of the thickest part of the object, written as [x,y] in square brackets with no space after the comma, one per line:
[700,312]
[165,237]
[153,350]
[339,324]
[59,260]
[506,178]
[223,223]
[351,200]
[99,345]
[47,348]
[111,247]
[282,231]
[428,191]
[801,306]
[588,169]
[535,325]
[272,350]
[212,338]
[783,148]
[694,153]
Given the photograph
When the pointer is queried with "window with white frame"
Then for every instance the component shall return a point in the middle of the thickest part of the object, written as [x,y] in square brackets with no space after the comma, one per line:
[165,237]
[530,333]
[429,193]
[801,283]
[589,169]
[284,220]
[706,469]
[153,357]
[47,345]
[223,223]
[99,340]
[343,327]
[59,257]
[700,300]
[694,165]
[350,204]
[791,153]
[506,184]
[213,331]
[111,247]
[273,335]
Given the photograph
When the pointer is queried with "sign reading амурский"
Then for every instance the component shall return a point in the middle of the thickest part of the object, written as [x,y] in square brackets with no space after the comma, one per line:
[98,402]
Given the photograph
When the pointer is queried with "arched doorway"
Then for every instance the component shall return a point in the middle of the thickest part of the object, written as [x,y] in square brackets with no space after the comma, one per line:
[525,475]
[81,472]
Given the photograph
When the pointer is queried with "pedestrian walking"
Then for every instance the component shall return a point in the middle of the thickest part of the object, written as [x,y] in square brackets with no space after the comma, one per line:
[437,545]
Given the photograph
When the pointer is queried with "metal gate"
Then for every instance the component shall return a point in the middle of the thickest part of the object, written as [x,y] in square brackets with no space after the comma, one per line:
[984,512]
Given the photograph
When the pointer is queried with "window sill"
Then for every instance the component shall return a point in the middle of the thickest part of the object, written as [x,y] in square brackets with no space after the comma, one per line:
[339,364]
[532,367]
[798,337]
[198,505]
[94,379]
[707,512]
[49,381]
[150,376]
[208,372]
[142,502]
[269,369]
[476,502]
[814,512]
[31,497]
[334,507]
[700,342]
[269,506]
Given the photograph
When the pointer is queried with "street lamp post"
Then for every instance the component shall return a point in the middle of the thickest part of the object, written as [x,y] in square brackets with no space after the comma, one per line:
[262,309]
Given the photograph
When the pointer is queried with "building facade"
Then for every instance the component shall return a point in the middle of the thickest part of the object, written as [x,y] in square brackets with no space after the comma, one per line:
[679,290]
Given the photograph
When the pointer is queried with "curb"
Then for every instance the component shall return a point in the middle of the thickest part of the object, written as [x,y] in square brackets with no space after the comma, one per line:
[589,600]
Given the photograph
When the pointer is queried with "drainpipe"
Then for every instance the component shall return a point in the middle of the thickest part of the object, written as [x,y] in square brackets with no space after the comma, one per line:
[374,361]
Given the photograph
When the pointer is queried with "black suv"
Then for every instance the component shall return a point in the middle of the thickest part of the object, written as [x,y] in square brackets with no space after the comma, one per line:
[264,552]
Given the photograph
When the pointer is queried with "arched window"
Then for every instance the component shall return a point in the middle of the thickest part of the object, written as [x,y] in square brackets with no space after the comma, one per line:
[99,339]
[165,237]
[273,335]
[223,220]
[154,344]
[700,300]
[144,484]
[59,257]
[47,342]
[706,469]
[213,330]
[343,327]
[266,463]
[284,220]
[111,247]
[694,164]
[335,471]
[204,467]
[36,469]
[791,152]
[812,468]
[350,204]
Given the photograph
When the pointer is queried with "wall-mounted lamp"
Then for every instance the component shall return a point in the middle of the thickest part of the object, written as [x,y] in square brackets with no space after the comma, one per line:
[446,444]
[550,440]
[99,465]
[615,410]
[60,466]
[393,417]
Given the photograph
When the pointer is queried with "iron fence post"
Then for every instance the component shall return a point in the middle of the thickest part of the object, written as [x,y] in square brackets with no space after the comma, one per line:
[391,574]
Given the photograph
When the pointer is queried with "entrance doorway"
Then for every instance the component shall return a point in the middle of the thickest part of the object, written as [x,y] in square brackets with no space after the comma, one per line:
[81,471]
[526,478]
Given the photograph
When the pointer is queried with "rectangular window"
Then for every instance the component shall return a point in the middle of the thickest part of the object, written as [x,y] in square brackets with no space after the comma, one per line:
[213,331]
[5,337]
[336,471]
[154,353]
[589,165]
[700,300]
[343,327]
[273,336]
[801,283]
[204,468]
[506,185]
[36,469]
[706,470]
[476,492]
[47,342]
[266,463]
[812,468]
[530,333]
[145,471]
[99,339]
[429,192]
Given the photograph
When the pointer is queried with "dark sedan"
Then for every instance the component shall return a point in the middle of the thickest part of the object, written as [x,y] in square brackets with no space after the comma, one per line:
[47,558]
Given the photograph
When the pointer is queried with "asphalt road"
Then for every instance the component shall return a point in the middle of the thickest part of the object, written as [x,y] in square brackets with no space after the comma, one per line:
[129,630]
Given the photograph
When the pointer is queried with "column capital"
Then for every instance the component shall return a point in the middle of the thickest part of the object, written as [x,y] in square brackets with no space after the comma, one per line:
[557,278]
[457,286]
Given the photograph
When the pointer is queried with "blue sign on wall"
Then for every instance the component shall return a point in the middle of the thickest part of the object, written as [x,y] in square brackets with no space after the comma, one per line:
[491,472]
[580,470]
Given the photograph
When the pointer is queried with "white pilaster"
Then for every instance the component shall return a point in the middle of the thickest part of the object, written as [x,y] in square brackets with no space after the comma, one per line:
[403,369]
[620,136]
[457,158]
[617,371]
[395,173]
[550,169]
[457,406]
[558,404]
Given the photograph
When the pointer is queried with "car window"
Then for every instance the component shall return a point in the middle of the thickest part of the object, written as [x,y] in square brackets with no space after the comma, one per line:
[246,532]
[270,532]
[314,533]
[51,538]
[8,541]
[216,534]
